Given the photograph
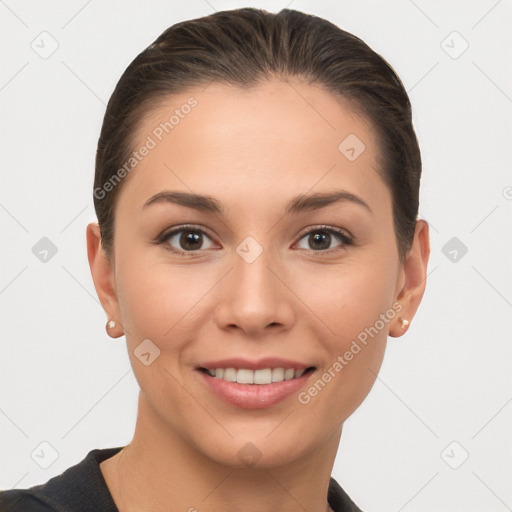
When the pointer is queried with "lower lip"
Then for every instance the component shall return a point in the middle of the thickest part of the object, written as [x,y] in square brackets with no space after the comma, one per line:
[254,396]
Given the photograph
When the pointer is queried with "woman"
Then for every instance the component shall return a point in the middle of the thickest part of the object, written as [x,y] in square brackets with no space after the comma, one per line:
[256,188]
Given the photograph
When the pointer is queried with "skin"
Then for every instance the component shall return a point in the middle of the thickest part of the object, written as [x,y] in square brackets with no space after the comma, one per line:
[252,150]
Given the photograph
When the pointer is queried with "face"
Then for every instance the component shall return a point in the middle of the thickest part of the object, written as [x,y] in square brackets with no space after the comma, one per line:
[262,281]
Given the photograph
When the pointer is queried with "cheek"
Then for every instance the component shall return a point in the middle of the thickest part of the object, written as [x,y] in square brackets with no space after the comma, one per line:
[340,388]
[160,301]
[145,297]
[154,306]
[350,297]
[354,304]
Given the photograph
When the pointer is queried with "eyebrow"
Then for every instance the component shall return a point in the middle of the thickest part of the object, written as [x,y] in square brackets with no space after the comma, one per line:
[298,204]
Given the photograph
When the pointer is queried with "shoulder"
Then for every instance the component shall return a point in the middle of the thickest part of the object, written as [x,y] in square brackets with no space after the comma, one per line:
[79,488]
[25,500]
[339,500]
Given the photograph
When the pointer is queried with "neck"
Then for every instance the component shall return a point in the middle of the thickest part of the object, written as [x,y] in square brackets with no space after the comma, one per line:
[159,471]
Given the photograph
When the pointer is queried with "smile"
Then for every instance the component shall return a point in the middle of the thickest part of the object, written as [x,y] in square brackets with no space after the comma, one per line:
[260,377]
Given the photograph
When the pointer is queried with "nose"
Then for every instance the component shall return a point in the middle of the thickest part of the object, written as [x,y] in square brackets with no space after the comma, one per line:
[254,298]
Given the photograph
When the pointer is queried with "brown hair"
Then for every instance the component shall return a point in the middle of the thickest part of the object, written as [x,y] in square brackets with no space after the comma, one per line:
[243,47]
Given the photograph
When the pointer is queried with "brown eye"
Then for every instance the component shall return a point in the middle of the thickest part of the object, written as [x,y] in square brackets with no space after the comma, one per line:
[320,240]
[187,240]
[191,240]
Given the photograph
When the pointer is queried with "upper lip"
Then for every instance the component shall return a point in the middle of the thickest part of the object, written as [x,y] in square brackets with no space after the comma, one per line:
[260,364]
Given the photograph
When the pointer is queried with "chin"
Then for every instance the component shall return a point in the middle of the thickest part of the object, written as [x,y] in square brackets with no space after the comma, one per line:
[257,451]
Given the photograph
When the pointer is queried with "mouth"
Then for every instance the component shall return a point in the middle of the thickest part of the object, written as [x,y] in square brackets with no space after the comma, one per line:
[250,385]
[259,377]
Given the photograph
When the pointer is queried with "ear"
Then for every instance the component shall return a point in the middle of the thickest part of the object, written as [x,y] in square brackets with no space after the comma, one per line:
[102,272]
[414,277]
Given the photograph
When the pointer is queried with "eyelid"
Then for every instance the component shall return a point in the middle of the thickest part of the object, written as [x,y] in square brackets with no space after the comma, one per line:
[325,227]
[183,227]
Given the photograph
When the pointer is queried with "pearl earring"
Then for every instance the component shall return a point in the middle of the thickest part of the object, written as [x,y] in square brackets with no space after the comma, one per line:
[111,324]
[403,322]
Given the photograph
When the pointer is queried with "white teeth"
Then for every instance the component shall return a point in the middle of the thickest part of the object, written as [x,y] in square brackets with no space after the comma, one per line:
[277,374]
[245,377]
[229,375]
[264,376]
[289,373]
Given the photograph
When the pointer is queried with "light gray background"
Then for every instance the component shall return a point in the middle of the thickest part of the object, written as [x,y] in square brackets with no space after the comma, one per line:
[64,382]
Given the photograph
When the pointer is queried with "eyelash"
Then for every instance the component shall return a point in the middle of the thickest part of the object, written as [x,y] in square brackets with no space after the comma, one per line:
[342,236]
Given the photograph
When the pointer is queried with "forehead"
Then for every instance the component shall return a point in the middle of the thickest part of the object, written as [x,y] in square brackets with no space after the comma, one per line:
[288,111]
[278,137]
